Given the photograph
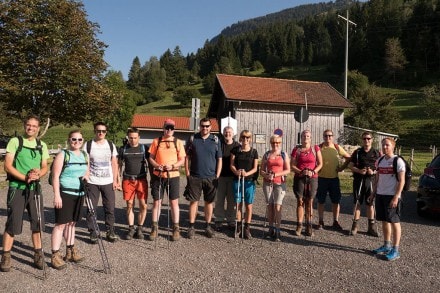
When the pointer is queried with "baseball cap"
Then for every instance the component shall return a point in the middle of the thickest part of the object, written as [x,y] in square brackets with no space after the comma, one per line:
[169,122]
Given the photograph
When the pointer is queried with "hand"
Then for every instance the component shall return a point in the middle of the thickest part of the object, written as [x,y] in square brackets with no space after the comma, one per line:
[116,186]
[243,173]
[362,171]
[57,202]
[394,202]
[370,171]
[370,199]
[215,182]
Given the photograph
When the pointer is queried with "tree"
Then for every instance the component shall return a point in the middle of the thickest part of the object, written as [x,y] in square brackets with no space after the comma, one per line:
[273,64]
[185,94]
[432,101]
[51,62]
[395,59]
[135,75]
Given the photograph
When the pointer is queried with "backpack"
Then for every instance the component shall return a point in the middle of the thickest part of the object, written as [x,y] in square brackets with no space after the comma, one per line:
[298,152]
[89,147]
[38,147]
[266,155]
[145,156]
[408,172]
[66,161]
[376,154]
[188,147]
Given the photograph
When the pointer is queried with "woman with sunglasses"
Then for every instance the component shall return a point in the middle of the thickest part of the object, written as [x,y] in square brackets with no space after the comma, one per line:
[69,168]
[275,165]
[244,165]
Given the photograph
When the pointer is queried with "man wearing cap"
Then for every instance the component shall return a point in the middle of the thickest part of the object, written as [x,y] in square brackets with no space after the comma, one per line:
[167,154]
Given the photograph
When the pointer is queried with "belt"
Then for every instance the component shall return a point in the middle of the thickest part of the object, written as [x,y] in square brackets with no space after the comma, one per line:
[133,177]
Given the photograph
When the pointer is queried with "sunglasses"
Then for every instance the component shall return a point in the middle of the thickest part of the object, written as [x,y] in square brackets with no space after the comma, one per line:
[276,142]
[205,126]
[245,137]
[328,135]
[366,138]
[100,131]
[74,139]
[169,127]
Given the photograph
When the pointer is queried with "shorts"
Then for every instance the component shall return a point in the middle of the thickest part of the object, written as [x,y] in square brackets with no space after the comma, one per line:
[330,186]
[163,183]
[367,189]
[383,211]
[196,185]
[138,187]
[298,187]
[71,209]
[277,195]
[17,201]
[249,191]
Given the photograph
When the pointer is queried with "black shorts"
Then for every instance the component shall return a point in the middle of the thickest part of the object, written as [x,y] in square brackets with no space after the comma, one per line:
[71,209]
[195,186]
[174,184]
[366,190]
[383,211]
[299,187]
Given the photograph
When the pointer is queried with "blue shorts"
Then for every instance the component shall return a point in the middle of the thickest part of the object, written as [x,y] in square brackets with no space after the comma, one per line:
[330,186]
[249,191]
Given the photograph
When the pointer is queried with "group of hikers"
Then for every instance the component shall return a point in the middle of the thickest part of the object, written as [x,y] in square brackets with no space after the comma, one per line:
[222,169]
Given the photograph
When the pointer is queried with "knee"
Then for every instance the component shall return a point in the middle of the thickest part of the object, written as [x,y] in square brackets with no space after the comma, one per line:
[300,202]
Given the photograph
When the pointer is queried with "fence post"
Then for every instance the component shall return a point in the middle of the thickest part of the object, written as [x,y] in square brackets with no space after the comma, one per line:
[434,151]
[411,161]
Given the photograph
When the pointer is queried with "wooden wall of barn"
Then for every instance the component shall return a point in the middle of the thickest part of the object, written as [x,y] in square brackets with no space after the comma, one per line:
[264,119]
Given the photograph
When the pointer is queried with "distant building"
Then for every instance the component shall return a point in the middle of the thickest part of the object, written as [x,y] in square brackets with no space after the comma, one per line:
[263,105]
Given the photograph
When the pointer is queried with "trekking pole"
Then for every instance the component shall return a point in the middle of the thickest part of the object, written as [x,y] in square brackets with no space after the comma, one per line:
[242,206]
[236,208]
[92,214]
[159,209]
[373,204]
[358,196]
[37,199]
[307,209]
[267,209]
[168,212]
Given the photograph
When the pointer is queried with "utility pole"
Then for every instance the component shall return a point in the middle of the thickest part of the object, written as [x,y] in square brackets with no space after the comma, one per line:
[346,48]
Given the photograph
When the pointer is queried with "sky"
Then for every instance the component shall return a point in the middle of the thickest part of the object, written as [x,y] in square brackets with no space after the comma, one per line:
[146,28]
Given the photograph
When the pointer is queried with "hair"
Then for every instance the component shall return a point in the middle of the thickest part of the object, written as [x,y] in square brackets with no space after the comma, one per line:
[246,133]
[275,137]
[32,116]
[132,130]
[100,123]
[367,133]
[227,128]
[391,140]
[74,131]
[327,130]
[305,131]
[206,119]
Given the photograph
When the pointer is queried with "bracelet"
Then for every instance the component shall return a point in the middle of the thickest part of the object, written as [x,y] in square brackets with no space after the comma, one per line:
[172,167]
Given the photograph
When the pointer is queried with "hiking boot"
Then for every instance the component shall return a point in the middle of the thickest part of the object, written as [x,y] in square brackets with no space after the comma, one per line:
[247,232]
[298,230]
[372,229]
[153,233]
[382,250]
[336,226]
[354,228]
[176,233]
[270,233]
[57,261]
[130,233]
[309,230]
[73,255]
[392,255]
[320,225]
[191,232]
[218,226]
[111,236]
[139,234]
[231,226]
[5,265]
[209,231]
[39,259]
[277,236]
[238,231]
[93,237]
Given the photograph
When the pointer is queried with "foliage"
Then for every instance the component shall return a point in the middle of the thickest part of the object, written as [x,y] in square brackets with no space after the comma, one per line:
[51,62]
[185,94]
[395,59]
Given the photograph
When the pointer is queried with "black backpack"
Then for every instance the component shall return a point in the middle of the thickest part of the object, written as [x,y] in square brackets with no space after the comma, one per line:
[38,147]
[408,172]
[66,161]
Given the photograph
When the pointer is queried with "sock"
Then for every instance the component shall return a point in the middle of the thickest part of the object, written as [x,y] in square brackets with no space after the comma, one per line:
[38,250]
[191,225]
[69,246]
[55,251]
[387,243]
[130,226]
[396,248]
[370,221]
[208,224]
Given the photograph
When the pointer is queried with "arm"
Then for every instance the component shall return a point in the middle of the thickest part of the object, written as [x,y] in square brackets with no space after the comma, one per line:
[114,166]
[187,164]
[232,166]
[399,189]
[56,172]
[219,167]
[347,160]
[319,161]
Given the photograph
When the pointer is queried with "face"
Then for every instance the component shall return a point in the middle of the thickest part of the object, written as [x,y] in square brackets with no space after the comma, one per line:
[306,137]
[100,131]
[367,140]
[205,128]
[168,130]
[387,147]
[276,144]
[245,139]
[133,139]
[75,141]
[328,136]
[228,133]
[31,127]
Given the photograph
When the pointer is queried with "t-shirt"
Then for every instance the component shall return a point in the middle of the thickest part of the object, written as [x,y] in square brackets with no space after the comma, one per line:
[226,165]
[330,160]
[27,159]
[204,154]
[305,159]
[362,159]
[101,172]
[244,160]
[167,153]
[134,159]
[74,170]
[387,182]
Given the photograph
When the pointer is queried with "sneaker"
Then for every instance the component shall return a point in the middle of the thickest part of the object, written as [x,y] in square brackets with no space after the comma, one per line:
[130,233]
[320,225]
[39,260]
[5,265]
[73,255]
[111,236]
[354,228]
[382,250]
[176,233]
[209,231]
[93,237]
[336,226]
[218,226]
[153,233]
[247,232]
[139,234]
[298,230]
[191,232]
[372,230]
[57,261]
[392,255]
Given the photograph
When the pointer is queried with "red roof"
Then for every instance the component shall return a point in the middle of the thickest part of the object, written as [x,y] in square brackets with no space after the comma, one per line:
[284,91]
[156,122]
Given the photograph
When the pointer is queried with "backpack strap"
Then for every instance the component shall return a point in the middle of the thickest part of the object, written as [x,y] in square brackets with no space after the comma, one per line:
[89,147]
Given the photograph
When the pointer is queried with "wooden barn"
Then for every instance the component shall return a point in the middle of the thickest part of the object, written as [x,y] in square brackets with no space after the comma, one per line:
[263,105]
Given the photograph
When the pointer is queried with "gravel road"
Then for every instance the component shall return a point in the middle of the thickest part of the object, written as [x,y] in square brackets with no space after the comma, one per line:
[328,262]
